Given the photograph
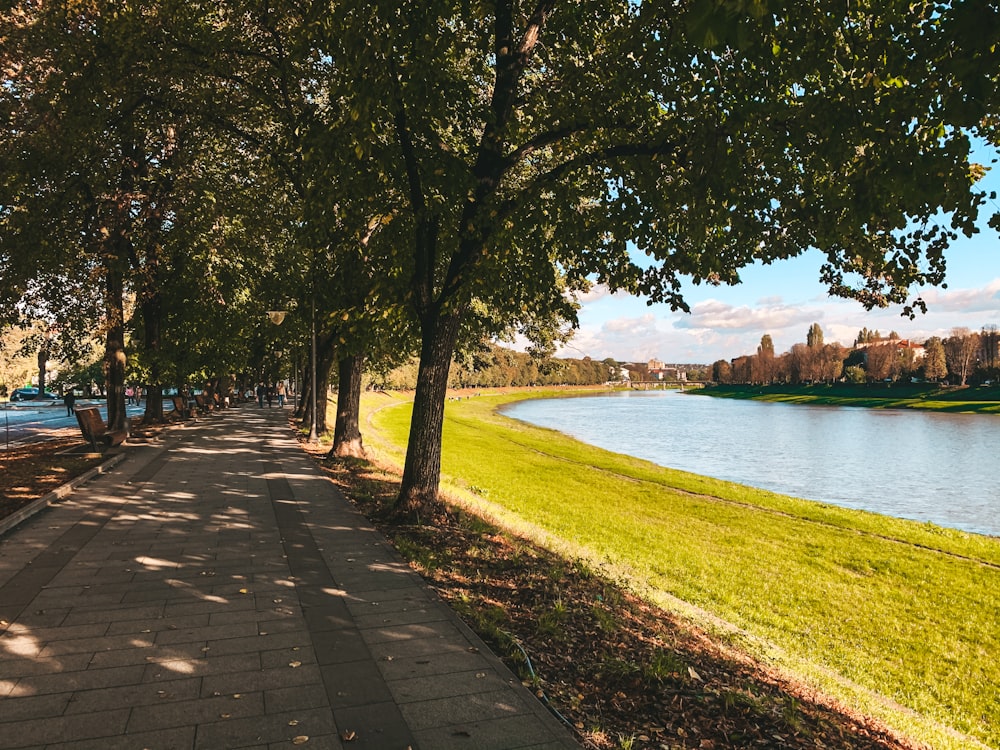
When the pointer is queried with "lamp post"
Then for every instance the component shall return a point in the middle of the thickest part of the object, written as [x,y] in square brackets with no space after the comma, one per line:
[277,317]
[313,436]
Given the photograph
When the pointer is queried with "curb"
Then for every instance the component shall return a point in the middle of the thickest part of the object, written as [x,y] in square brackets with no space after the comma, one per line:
[36,506]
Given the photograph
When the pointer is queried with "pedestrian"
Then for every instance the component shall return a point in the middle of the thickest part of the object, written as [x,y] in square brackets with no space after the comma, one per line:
[261,392]
[129,391]
[270,395]
[69,399]
[281,394]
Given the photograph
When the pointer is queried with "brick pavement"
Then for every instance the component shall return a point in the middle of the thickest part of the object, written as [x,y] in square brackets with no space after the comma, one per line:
[216,591]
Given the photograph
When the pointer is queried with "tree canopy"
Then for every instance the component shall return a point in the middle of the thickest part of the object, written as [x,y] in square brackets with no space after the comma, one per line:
[462,170]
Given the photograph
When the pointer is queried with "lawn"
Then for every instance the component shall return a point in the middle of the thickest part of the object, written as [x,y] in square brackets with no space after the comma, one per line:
[924,396]
[896,618]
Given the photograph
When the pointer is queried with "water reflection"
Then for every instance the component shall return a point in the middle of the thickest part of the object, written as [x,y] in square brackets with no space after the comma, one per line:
[922,466]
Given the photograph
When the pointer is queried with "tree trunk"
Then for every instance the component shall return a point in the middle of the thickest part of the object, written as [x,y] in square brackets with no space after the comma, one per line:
[151,318]
[347,439]
[43,359]
[114,350]
[302,385]
[324,366]
[418,493]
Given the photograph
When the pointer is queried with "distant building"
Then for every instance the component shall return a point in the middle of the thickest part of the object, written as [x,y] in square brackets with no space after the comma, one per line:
[901,345]
[657,370]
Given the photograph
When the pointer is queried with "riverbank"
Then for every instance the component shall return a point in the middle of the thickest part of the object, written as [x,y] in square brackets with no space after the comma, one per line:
[925,396]
[894,618]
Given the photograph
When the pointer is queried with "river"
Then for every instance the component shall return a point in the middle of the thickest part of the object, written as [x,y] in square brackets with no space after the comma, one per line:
[924,466]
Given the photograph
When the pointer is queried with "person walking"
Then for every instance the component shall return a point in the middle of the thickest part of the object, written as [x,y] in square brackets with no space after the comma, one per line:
[280,390]
[70,400]
[261,392]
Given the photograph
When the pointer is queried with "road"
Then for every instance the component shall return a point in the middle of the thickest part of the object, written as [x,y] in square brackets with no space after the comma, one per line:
[28,422]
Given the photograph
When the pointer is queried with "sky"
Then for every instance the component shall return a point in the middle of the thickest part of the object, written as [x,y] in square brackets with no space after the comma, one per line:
[784,300]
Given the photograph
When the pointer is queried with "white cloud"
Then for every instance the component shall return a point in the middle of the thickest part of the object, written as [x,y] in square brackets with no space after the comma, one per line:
[983,299]
[643,323]
[713,314]
[620,326]
[598,292]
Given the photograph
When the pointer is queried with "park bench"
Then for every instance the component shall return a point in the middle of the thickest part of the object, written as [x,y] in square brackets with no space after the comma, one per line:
[95,431]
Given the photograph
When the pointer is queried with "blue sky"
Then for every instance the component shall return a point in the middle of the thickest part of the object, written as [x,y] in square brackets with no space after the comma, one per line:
[783,300]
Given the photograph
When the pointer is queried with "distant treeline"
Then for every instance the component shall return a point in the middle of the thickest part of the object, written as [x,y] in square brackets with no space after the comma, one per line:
[965,357]
[498,367]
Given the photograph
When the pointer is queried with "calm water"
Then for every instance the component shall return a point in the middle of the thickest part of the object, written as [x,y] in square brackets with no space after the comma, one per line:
[940,468]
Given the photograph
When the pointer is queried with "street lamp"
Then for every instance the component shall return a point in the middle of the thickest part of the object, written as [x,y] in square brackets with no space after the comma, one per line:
[313,436]
[278,317]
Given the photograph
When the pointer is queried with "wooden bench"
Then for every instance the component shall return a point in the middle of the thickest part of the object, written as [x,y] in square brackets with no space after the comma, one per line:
[204,402]
[95,431]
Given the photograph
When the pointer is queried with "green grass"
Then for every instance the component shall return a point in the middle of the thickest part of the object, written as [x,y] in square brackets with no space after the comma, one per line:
[897,618]
[925,396]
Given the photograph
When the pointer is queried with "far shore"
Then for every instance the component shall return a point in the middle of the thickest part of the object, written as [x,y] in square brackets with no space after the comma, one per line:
[924,396]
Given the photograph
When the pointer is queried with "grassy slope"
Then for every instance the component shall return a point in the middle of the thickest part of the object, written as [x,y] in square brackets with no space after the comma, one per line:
[864,606]
[979,400]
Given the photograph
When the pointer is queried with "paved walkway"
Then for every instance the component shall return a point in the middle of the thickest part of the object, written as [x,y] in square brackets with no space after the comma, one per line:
[215,591]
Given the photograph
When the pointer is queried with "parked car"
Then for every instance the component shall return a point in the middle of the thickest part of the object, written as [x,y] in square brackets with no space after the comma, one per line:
[31,394]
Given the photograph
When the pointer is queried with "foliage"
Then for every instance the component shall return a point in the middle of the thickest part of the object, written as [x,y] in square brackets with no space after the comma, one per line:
[493,366]
[634,144]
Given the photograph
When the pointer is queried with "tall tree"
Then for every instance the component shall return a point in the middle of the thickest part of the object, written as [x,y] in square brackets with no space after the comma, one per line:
[765,360]
[814,337]
[86,93]
[569,130]
[879,361]
[935,364]
[989,338]
[722,371]
[961,350]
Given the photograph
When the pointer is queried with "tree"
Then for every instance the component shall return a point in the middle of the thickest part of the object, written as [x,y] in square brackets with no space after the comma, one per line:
[961,350]
[854,374]
[764,362]
[571,130]
[722,372]
[935,365]
[831,362]
[800,359]
[879,361]
[989,338]
[571,140]
[89,162]
[814,338]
